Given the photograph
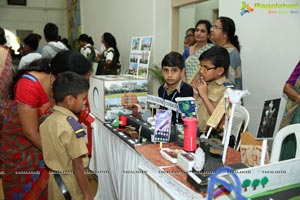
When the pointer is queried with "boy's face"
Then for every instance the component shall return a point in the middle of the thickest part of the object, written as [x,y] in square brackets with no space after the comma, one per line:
[78,103]
[210,72]
[172,75]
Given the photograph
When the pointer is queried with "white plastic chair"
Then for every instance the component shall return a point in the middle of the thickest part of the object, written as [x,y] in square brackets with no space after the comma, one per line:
[280,136]
[240,116]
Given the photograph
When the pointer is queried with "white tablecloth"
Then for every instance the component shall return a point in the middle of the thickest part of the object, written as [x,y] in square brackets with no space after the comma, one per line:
[116,164]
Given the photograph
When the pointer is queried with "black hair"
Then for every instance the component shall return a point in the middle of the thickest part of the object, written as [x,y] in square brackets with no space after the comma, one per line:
[51,32]
[39,65]
[190,29]
[70,60]
[218,56]
[68,83]
[86,38]
[228,26]
[207,25]
[110,40]
[173,59]
[66,42]
[39,37]
[2,36]
[32,40]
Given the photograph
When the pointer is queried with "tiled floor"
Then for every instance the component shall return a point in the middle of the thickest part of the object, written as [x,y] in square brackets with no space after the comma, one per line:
[92,180]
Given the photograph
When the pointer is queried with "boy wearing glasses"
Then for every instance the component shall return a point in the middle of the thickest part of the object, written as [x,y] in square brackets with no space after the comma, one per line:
[211,86]
[172,66]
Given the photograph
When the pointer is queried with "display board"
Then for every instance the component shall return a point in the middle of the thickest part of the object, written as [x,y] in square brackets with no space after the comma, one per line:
[140,56]
[268,118]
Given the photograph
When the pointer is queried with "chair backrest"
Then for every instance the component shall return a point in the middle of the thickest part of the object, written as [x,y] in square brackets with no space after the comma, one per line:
[240,116]
[279,138]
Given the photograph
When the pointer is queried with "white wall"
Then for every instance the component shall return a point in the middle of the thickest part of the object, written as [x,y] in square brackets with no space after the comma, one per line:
[34,16]
[187,17]
[126,19]
[270,51]
[204,10]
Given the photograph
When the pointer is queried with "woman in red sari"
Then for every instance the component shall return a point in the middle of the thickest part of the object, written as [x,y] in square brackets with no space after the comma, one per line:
[25,174]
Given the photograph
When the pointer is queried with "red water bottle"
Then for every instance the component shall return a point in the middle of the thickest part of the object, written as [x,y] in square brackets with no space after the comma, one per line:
[122,121]
[190,134]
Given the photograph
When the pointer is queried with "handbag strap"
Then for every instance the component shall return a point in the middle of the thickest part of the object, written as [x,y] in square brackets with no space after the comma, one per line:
[63,188]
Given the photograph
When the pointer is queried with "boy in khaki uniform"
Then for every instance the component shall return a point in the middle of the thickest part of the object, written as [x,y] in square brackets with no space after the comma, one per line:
[63,143]
[212,84]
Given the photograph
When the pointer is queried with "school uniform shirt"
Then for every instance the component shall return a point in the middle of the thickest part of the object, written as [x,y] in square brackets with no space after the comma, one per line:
[87,50]
[60,145]
[182,90]
[216,90]
[109,55]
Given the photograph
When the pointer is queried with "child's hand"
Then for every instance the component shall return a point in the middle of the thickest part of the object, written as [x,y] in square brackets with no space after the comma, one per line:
[202,88]
[195,90]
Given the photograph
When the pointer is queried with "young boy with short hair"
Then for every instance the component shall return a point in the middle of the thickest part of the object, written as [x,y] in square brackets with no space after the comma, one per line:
[210,88]
[63,143]
[172,66]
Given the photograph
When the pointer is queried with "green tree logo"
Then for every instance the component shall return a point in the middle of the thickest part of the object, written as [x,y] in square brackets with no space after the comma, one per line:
[264,181]
[246,183]
[255,183]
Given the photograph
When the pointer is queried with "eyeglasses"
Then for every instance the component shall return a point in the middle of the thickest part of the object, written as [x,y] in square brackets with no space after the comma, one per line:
[205,69]
[216,27]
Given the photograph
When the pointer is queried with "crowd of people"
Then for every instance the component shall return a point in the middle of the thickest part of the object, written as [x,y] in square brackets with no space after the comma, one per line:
[49,88]
[28,99]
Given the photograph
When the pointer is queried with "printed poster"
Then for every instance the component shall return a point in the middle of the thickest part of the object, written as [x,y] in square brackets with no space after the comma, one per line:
[140,56]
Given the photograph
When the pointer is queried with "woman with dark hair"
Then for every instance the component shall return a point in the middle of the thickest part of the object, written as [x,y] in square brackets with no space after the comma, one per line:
[189,39]
[109,60]
[223,34]
[5,74]
[25,174]
[202,43]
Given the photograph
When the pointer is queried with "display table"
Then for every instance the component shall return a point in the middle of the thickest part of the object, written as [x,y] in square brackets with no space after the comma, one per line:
[117,166]
[151,156]
[127,171]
